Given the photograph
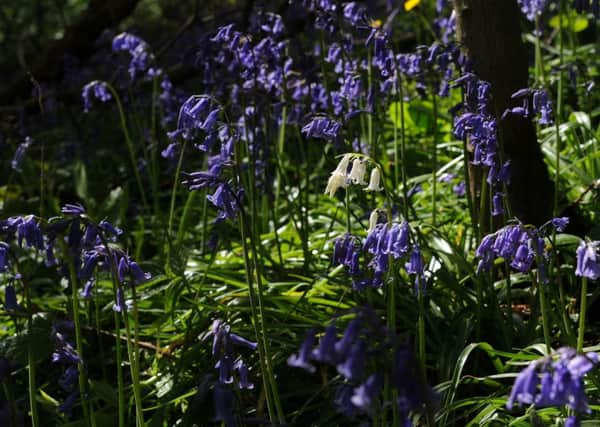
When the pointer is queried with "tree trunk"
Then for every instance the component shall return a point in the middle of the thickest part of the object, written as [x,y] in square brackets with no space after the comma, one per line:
[490,35]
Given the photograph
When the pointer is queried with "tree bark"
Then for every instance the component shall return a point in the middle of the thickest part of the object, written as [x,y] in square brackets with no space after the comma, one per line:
[490,35]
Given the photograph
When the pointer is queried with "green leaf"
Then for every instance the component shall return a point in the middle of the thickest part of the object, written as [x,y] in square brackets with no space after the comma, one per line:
[575,22]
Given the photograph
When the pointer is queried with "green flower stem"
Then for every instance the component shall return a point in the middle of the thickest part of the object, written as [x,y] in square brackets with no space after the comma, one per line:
[129,143]
[435,161]
[582,313]
[172,204]
[133,366]
[119,362]
[403,149]
[31,360]
[258,327]
[545,315]
[421,329]
[78,340]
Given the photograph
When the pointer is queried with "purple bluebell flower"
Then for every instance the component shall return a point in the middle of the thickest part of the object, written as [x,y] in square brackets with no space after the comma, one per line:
[98,90]
[322,127]
[460,189]
[242,369]
[352,368]
[525,387]
[343,400]
[10,298]
[29,230]
[75,209]
[224,401]
[561,383]
[15,163]
[304,356]
[497,200]
[560,223]
[223,351]
[138,49]
[119,305]
[86,292]
[4,256]
[69,378]
[365,396]
[326,351]
[355,13]
[588,264]
[66,406]
[533,9]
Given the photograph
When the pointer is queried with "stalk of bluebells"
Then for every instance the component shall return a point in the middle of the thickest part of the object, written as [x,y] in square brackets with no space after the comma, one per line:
[227,363]
[535,102]
[139,51]
[533,9]
[65,354]
[520,246]
[363,355]
[556,380]
[478,126]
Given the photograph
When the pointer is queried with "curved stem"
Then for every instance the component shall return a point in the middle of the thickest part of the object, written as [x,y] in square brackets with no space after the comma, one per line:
[582,313]
[31,361]
[129,142]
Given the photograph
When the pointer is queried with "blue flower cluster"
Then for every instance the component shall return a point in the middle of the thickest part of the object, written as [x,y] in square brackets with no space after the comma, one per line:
[364,354]
[533,8]
[65,354]
[518,245]
[85,243]
[227,363]
[534,102]
[384,242]
[478,125]
[555,381]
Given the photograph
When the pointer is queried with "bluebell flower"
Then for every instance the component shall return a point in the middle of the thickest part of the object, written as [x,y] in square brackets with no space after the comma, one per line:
[561,384]
[525,387]
[532,8]
[119,305]
[86,292]
[355,13]
[365,396]
[138,49]
[322,127]
[353,366]
[460,189]
[15,163]
[560,223]
[10,298]
[242,370]
[98,90]
[343,400]
[572,421]
[66,406]
[224,401]
[326,351]
[68,380]
[4,256]
[28,230]
[588,264]
[304,356]
[497,201]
